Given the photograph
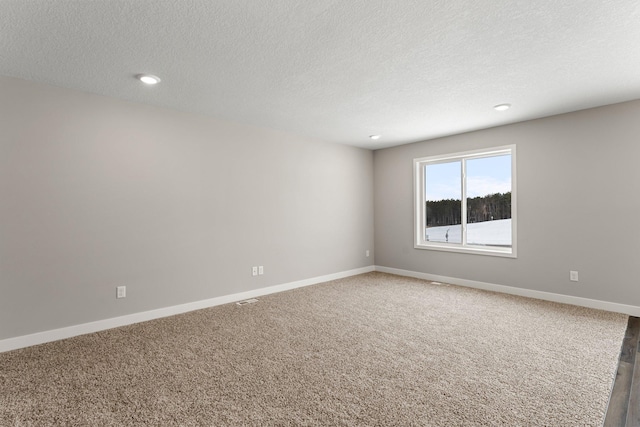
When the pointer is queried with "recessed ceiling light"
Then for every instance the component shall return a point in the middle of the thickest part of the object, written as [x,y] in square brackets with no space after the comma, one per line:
[374,136]
[502,107]
[148,79]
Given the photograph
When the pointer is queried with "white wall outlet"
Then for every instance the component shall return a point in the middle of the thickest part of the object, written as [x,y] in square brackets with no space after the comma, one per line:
[366,253]
[261,270]
[254,271]
[121,292]
[573,276]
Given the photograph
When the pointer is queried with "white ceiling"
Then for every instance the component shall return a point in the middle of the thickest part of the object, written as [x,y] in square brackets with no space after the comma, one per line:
[337,70]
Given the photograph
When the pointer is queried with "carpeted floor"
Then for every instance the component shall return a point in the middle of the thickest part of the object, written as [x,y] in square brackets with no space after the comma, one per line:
[370,350]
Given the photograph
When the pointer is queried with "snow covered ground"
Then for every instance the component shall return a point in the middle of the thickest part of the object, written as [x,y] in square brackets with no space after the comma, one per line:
[496,233]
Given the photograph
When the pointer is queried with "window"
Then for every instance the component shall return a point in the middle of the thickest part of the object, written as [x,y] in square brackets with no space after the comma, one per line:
[466,202]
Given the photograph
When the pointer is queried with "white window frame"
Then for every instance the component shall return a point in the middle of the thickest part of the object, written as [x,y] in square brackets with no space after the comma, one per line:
[419,171]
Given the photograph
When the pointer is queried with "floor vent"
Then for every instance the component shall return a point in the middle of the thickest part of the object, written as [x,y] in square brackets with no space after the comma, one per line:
[247,301]
[439,284]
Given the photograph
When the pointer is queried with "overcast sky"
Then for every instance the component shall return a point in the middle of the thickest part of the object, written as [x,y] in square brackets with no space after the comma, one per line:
[485,176]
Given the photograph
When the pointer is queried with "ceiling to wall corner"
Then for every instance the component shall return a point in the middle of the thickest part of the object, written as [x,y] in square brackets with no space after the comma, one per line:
[340,71]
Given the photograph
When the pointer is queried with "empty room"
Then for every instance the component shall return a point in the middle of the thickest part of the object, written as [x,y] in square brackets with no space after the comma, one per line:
[329,213]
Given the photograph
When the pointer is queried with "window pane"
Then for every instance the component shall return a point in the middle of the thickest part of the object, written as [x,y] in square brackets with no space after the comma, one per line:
[443,183]
[489,201]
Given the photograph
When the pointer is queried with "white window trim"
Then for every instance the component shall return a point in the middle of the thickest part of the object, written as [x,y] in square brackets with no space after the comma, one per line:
[419,204]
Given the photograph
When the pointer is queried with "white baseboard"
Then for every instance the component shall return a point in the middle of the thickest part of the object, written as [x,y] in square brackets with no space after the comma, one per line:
[100,325]
[630,310]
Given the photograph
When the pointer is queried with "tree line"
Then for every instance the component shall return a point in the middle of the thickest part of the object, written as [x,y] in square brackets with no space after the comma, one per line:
[479,209]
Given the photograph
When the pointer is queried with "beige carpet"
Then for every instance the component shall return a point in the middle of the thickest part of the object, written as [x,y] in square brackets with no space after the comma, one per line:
[371,350]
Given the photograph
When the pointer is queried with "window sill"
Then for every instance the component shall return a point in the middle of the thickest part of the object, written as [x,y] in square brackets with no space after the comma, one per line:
[475,250]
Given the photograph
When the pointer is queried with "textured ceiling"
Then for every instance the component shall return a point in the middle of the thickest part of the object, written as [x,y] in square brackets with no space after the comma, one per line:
[336,70]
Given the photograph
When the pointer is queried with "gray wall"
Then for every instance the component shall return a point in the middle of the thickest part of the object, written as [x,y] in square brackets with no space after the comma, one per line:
[97,192]
[585,164]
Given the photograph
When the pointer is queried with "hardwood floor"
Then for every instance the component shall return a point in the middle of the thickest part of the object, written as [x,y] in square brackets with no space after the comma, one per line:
[624,404]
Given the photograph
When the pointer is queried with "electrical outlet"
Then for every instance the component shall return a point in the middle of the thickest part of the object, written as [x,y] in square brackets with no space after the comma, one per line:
[573,276]
[261,270]
[366,252]
[254,271]
[121,292]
